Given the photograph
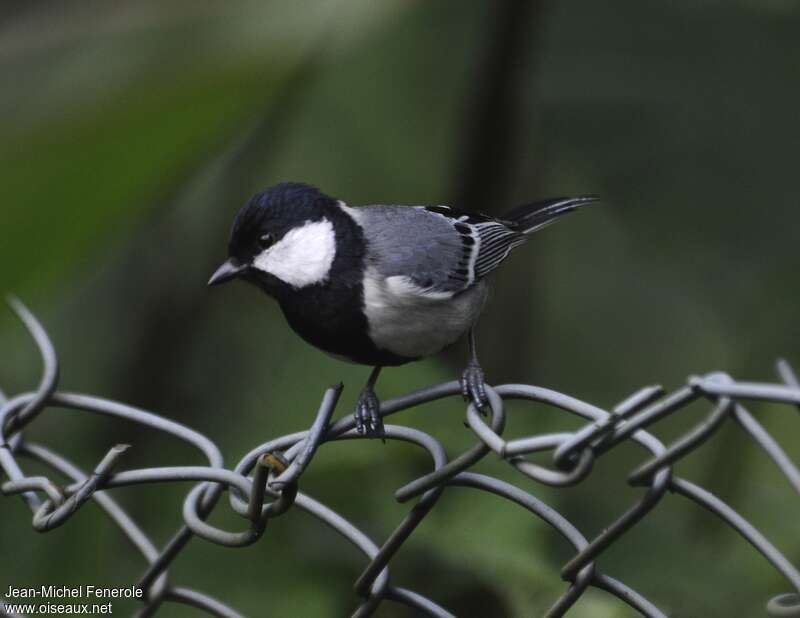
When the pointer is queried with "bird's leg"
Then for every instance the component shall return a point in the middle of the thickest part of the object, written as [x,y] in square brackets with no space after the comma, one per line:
[472,380]
[367,415]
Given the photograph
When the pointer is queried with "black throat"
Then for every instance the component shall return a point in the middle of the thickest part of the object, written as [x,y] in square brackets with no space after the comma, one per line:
[330,315]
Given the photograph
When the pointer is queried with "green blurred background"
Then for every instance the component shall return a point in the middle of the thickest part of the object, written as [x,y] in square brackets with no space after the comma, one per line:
[132,131]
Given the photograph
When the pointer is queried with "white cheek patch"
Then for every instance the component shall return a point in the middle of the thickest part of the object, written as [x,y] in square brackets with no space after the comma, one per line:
[303,256]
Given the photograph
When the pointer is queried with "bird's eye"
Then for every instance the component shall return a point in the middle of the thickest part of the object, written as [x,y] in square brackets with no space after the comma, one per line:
[265,240]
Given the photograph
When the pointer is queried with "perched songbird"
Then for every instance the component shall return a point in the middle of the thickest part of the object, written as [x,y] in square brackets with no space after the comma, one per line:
[377,285]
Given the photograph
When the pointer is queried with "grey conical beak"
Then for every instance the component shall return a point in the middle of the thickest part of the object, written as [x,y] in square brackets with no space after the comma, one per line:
[230,269]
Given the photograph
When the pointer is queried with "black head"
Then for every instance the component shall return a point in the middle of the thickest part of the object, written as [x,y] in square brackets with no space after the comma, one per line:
[280,237]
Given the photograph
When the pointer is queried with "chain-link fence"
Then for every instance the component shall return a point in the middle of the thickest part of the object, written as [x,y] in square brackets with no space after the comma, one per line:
[264,484]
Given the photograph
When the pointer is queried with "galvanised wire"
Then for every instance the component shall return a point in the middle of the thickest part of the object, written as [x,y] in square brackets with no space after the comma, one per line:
[265,483]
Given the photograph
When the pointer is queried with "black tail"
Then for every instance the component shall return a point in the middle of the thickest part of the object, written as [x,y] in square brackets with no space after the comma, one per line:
[531,217]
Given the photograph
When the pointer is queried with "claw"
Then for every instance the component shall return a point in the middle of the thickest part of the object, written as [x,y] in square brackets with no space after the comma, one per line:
[473,387]
[367,414]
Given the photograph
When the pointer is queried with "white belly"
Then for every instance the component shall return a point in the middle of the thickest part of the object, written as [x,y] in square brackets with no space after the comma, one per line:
[409,323]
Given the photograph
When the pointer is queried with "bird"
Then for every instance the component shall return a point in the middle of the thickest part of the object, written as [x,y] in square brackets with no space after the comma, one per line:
[378,285]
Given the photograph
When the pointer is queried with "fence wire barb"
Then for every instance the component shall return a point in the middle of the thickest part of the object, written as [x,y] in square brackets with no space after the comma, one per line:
[264,484]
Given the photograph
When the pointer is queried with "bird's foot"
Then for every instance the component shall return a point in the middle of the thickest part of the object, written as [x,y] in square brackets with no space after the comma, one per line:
[473,387]
[367,415]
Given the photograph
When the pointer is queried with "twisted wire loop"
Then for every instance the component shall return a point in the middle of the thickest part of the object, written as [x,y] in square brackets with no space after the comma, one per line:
[265,483]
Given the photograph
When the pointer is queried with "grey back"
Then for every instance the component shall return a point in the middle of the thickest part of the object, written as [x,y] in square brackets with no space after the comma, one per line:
[413,242]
